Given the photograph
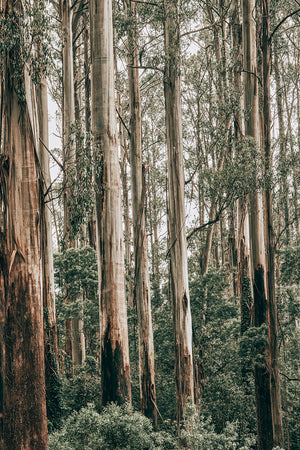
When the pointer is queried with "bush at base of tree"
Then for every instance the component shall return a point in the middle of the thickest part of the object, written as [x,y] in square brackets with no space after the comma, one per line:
[117,427]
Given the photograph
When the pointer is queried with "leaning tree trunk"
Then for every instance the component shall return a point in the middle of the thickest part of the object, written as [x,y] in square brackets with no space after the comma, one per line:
[262,375]
[141,278]
[24,401]
[278,434]
[115,369]
[176,213]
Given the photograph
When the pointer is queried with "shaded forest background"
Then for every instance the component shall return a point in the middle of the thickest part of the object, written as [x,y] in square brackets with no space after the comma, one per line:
[210,197]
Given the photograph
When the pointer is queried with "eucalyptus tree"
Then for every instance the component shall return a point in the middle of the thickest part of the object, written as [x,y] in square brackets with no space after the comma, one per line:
[115,370]
[184,377]
[252,127]
[278,434]
[23,371]
[138,183]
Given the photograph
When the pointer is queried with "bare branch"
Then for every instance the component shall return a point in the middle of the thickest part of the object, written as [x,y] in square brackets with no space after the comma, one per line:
[282,21]
[51,154]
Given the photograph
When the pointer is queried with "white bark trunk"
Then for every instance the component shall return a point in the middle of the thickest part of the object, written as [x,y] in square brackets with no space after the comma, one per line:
[113,315]
[176,214]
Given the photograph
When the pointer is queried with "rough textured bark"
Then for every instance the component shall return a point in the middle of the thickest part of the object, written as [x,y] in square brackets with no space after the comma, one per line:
[138,184]
[278,434]
[176,213]
[24,402]
[115,369]
[262,376]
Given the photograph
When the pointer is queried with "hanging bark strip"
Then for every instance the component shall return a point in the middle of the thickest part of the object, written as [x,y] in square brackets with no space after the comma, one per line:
[115,369]
[176,213]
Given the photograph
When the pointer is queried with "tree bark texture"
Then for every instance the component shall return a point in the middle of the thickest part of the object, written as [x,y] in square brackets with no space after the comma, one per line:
[262,375]
[176,213]
[24,401]
[113,315]
[278,433]
[138,184]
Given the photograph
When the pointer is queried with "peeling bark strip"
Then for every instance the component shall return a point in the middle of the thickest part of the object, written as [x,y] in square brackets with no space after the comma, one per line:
[22,355]
[176,213]
[113,314]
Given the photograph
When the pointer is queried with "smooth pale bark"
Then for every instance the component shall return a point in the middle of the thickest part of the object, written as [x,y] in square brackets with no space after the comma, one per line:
[24,401]
[68,113]
[77,324]
[176,213]
[284,190]
[278,433]
[87,100]
[126,213]
[252,124]
[243,253]
[73,335]
[47,247]
[115,370]
[141,276]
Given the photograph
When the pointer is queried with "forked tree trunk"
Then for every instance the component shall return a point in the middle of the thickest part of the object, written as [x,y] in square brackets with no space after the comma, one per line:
[262,375]
[24,401]
[115,369]
[138,184]
[278,433]
[176,213]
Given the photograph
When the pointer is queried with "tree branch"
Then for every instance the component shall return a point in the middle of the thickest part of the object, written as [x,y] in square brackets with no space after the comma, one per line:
[51,154]
[123,123]
[282,21]
[288,378]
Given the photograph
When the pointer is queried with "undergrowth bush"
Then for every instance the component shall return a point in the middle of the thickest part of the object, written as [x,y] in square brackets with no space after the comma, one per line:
[117,427]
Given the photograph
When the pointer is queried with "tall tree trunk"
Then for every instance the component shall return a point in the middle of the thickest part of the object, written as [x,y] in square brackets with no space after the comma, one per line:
[126,216]
[69,153]
[176,213]
[278,434]
[282,145]
[138,183]
[87,99]
[46,230]
[24,401]
[115,368]
[262,376]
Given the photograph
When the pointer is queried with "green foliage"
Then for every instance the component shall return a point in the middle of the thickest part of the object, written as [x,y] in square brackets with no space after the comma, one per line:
[76,276]
[290,265]
[117,427]
[82,388]
[253,344]
[25,38]
[79,179]
[216,340]
[198,433]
